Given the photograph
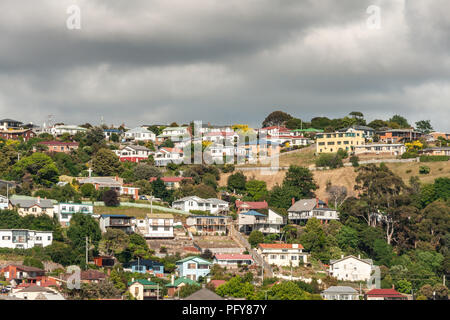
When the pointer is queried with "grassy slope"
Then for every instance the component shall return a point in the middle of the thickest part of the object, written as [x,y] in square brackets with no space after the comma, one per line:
[342,176]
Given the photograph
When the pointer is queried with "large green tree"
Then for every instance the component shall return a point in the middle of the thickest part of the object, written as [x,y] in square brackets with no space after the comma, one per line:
[106,163]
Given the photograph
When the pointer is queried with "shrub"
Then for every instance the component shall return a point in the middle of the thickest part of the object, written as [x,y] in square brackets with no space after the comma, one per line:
[434,158]
[409,155]
[355,161]
[424,170]
[332,160]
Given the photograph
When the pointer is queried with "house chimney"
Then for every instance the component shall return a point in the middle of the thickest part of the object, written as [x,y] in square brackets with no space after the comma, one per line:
[38,199]
[132,279]
[359,256]
[293,200]
[172,279]
[117,178]
[342,256]
[317,202]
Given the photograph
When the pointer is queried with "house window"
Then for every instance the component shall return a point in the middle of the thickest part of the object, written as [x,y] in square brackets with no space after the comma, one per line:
[6,238]
[273,256]
[282,257]
[166,229]
[192,266]
[155,228]
[293,257]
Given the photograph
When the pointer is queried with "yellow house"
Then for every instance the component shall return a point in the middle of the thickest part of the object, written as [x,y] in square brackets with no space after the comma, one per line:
[334,141]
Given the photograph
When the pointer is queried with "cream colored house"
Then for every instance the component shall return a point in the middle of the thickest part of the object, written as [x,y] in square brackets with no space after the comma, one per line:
[33,206]
[334,141]
[381,149]
[283,254]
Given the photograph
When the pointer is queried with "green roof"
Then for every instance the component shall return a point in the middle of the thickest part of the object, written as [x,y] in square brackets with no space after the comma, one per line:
[184,280]
[192,257]
[308,130]
[144,282]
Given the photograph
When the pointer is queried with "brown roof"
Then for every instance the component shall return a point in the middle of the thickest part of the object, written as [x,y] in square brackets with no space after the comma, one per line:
[92,275]
[25,268]
[204,294]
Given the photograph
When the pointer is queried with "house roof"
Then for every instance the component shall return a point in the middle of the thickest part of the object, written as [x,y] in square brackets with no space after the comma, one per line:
[144,282]
[104,181]
[253,213]
[171,179]
[25,268]
[340,289]
[160,216]
[384,293]
[92,275]
[58,143]
[252,204]
[280,246]
[192,258]
[115,216]
[233,257]
[143,262]
[28,203]
[217,283]
[140,130]
[181,280]
[36,288]
[305,205]
[204,294]
[368,261]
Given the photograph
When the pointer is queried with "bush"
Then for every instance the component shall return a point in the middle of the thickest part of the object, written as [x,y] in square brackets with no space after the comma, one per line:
[110,198]
[434,158]
[331,160]
[409,155]
[424,170]
[355,161]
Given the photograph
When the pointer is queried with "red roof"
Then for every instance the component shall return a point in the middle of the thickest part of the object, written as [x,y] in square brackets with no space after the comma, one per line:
[279,246]
[252,204]
[171,150]
[191,249]
[384,293]
[233,257]
[220,133]
[276,127]
[58,143]
[217,283]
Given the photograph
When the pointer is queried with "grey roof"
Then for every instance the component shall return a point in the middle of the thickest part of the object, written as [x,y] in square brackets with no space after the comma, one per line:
[204,294]
[303,205]
[368,261]
[36,288]
[106,181]
[340,289]
[139,130]
[137,147]
[27,203]
[198,199]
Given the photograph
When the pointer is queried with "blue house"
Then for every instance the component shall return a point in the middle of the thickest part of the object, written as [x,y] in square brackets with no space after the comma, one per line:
[144,266]
[193,268]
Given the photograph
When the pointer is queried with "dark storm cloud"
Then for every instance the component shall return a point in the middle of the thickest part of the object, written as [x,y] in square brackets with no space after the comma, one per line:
[223,61]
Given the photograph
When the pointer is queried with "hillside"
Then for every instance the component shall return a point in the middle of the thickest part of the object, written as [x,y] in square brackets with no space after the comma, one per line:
[346,176]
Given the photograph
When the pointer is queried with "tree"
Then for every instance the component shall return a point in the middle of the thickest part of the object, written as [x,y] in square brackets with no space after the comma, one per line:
[236,182]
[314,239]
[337,194]
[424,126]
[189,289]
[144,172]
[236,287]
[204,191]
[347,238]
[302,180]
[276,118]
[256,189]
[82,226]
[400,121]
[106,163]
[331,160]
[160,190]
[356,114]
[87,190]
[39,166]
[33,262]
[287,290]
[255,238]
[404,286]
[110,198]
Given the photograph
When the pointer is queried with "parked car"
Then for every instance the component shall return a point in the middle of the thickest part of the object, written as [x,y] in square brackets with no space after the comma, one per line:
[143,198]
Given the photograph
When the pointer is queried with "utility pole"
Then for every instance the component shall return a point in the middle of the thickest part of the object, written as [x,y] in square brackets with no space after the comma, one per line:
[157,291]
[87,250]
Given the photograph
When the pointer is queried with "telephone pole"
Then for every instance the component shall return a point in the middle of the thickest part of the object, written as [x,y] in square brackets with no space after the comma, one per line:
[87,251]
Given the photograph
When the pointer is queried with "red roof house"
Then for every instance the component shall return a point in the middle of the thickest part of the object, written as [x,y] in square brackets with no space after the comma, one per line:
[385,294]
[244,206]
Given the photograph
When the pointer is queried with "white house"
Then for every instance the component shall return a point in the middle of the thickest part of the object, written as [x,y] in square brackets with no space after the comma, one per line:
[133,153]
[140,134]
[351,268]
[65,211]
[266,223]
[168,155]
[59,130]
[233,259]
[24,239]
[283,254]
[3,202]
[395,149]
[159,225]
[305,209]
[217,151]
[35,292]
[211,205]
[220,136]
[174,133]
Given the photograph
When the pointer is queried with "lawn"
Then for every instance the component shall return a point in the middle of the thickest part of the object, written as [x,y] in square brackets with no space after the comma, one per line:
[129,211]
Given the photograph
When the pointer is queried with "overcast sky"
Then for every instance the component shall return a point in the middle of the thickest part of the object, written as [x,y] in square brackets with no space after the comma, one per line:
[233,61]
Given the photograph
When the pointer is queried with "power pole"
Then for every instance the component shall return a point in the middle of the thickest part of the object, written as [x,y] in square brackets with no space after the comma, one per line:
[87,251]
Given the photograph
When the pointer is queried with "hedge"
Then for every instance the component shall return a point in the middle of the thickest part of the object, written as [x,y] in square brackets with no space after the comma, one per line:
[434,158]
